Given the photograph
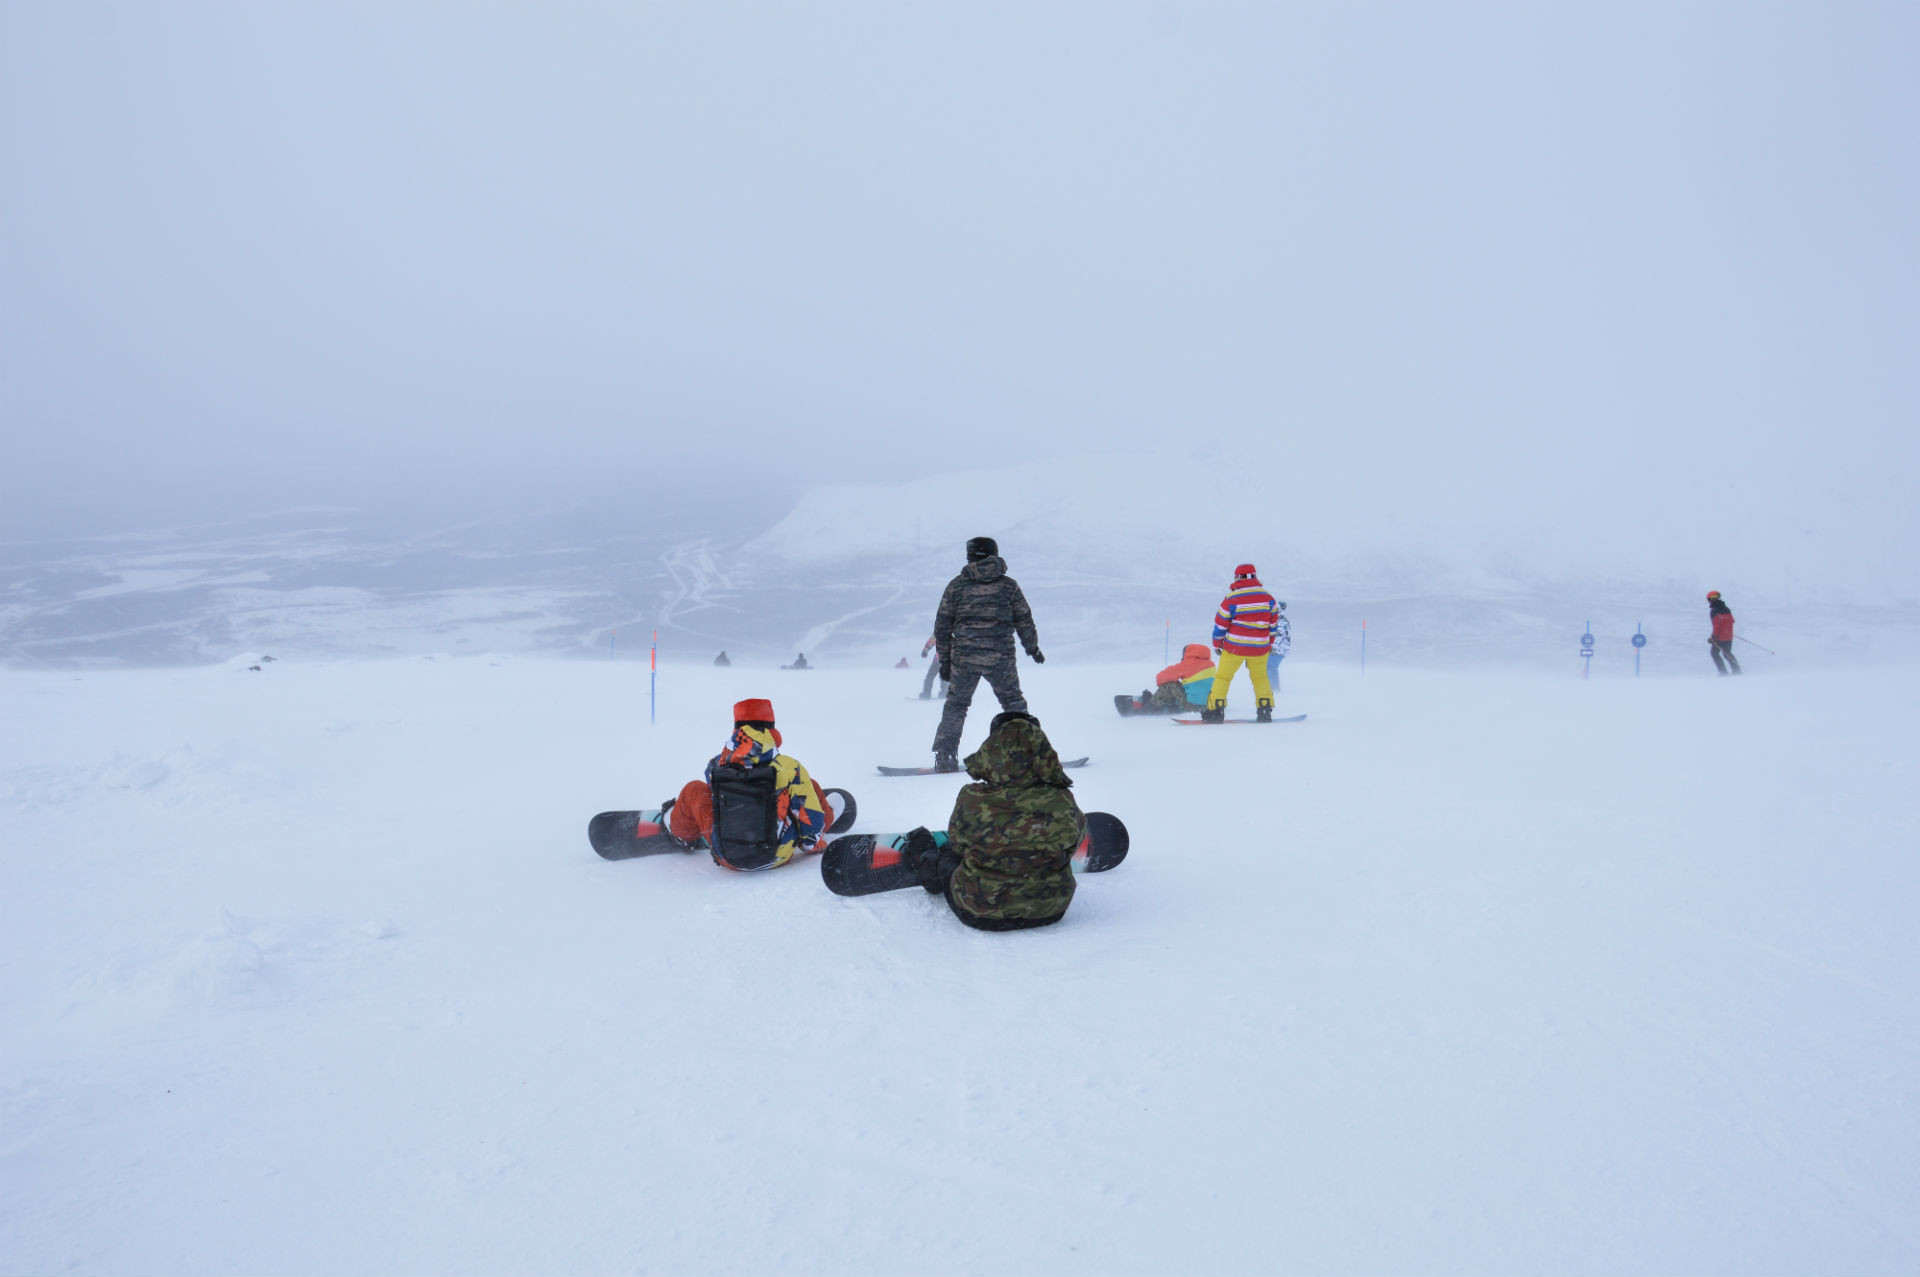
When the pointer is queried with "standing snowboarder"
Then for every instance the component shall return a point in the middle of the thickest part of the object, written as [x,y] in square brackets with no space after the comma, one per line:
[1282,642]
[1721,641]
[980,613]
[1243,635]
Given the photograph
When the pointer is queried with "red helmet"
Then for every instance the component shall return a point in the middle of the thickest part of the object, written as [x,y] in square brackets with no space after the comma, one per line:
[1713,594]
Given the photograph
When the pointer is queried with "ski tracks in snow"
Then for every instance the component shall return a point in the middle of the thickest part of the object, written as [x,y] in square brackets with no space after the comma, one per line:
[814,637]
[696,577]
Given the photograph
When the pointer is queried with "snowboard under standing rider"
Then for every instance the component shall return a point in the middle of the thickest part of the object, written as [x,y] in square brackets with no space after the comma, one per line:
[1243,635]
[1720,643]
[1007,862]
[980,613]
[757,807]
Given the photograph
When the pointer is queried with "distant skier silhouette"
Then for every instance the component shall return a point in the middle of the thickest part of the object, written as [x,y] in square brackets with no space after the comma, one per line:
[1720,643]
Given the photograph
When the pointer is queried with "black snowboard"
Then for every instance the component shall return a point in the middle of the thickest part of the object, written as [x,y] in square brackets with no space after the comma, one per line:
[1201,722]
[1134,707]
[928,771]
[623,835]
[861,864]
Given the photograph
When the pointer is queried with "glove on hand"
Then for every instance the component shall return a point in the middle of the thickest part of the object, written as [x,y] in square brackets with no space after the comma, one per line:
[946,672]
[1039,657]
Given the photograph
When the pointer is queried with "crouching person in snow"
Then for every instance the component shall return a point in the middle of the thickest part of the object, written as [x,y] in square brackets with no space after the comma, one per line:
[1007,864]
[757,808]
[1182,686]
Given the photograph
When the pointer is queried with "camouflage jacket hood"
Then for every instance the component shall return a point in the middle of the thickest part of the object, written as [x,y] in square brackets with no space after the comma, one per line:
[1018,756]
[991,568]
[1015,829]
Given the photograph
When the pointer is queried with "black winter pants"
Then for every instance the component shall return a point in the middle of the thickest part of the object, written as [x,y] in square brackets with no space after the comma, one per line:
[1723,655]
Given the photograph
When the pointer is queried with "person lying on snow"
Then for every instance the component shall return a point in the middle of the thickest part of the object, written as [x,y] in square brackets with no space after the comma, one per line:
[1179,687]
[757,808]
[1007,863]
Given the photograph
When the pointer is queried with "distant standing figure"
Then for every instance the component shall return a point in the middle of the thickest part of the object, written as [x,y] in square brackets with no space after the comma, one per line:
[1243,635]
[980,612]
[1282,642]
[933,668]
[1721,641]
[800,663]
[722,659]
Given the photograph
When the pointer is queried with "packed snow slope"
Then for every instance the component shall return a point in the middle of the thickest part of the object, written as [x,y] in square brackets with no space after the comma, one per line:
[310,969]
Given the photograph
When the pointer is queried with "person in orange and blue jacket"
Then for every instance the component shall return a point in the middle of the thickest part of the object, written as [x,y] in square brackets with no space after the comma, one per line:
[1243,635]
[757,808]
[1181,686]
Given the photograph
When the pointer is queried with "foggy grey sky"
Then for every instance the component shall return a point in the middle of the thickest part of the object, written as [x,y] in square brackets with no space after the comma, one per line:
[1624,255]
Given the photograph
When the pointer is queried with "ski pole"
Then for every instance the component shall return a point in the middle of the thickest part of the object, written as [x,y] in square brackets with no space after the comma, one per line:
[1750,643]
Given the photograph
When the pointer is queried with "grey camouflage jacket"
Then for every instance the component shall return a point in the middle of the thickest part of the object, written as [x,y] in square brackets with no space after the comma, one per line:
[980,612]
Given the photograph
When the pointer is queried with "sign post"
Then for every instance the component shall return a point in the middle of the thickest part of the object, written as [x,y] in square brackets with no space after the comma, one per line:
[1586,652]
[1639,641]
[1363,647]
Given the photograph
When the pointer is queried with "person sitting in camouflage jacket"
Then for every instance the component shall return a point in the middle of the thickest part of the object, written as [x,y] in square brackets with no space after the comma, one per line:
[1007,864]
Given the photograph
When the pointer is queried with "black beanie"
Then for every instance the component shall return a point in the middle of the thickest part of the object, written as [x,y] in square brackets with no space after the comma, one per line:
[982,548]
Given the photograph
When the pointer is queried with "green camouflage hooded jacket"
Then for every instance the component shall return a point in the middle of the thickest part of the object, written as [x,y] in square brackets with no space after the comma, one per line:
[1015,830]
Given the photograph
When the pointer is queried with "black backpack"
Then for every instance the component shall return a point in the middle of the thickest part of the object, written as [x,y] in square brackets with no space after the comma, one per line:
[746,816]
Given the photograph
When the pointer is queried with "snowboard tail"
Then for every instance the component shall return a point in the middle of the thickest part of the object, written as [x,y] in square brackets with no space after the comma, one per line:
[865,864]
[624,835]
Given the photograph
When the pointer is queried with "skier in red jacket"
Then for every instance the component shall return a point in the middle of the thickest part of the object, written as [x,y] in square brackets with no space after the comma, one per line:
[1721,643]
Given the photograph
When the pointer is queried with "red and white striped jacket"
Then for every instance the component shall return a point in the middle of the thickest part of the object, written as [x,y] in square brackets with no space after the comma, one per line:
[1244,623]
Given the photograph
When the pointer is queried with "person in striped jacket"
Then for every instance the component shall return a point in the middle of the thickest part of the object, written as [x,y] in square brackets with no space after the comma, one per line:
[1243,635]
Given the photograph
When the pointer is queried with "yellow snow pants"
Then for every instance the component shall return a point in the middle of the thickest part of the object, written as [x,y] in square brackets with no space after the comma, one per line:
[1223,673]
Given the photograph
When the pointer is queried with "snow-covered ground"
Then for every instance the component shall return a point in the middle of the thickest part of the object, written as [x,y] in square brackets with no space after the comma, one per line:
[311,969]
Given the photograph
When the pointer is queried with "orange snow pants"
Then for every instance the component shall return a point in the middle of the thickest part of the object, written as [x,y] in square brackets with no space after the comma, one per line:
[691,819]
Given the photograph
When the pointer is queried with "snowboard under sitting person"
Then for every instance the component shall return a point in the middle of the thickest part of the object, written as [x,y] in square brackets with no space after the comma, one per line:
[1179,687]
[1007,862]
[757,807]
